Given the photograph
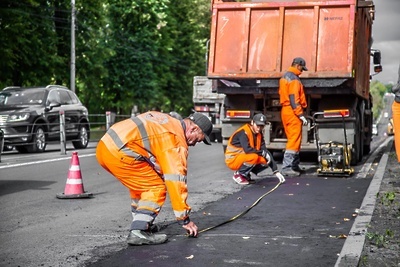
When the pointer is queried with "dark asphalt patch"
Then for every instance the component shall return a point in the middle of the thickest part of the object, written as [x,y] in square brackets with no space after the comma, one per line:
[299,224]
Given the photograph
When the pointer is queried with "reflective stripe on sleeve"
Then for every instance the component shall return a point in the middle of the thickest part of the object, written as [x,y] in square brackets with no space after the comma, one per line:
[175,177]
[233,149]
[181,215]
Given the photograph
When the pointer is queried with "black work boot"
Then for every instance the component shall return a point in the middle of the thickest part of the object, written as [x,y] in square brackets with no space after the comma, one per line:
[157,227]
[287,164]
[298,169]
[141,237]
[290,172]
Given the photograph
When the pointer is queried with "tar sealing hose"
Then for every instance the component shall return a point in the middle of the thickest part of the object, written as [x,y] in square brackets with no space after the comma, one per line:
[242,213]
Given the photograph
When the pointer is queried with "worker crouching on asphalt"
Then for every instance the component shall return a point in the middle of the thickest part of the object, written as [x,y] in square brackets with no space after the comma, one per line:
[293,101]
[246,152]
[148,154]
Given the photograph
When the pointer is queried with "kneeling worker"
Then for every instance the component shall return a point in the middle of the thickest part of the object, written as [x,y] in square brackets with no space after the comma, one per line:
[246,152]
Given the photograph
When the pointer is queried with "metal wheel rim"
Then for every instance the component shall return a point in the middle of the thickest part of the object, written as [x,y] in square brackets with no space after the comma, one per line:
[83,136]
[40,139]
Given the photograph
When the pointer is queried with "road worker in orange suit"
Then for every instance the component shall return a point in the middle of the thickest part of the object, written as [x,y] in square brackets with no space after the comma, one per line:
[396,116]
[148,154]
[293,101]
[246,152]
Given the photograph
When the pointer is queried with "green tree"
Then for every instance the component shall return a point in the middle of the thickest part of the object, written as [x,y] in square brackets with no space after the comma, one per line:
[188,27]
[158,46]
[142,53]
[29,43]
[378,90]
[134,39]
[92,50]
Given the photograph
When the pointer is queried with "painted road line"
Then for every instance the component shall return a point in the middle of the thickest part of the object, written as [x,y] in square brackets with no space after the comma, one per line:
[42,161]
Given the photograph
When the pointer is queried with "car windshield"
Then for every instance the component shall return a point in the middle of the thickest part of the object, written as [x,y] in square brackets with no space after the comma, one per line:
[18,97]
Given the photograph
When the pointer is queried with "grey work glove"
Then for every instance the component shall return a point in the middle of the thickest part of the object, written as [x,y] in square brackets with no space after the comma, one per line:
[304,120]
[266,156]
[280,177]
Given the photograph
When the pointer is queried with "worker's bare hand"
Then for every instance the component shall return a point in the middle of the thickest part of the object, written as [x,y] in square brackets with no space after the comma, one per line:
[191,228]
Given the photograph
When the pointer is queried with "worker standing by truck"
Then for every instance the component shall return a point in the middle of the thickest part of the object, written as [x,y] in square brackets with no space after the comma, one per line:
[336,38]
[293,101]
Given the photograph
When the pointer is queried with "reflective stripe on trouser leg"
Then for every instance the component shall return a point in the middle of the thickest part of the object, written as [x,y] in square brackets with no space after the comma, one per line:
[150,190]
[139,217]
[134,207]
[143,182]
[142,220]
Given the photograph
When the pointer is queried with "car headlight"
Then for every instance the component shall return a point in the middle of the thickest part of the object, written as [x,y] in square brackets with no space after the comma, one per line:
[18,117]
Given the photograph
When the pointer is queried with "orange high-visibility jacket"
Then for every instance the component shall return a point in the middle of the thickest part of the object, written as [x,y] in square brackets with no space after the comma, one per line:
[291,91]
[160,140]
[232,151]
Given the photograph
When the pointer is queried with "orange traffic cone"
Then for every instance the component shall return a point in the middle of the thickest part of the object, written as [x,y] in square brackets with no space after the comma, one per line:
[74,185]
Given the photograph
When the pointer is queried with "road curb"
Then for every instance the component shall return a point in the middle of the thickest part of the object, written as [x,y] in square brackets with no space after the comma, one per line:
[354,244]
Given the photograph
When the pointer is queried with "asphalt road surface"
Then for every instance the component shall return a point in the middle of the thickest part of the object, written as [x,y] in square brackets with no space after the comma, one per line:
[298,224]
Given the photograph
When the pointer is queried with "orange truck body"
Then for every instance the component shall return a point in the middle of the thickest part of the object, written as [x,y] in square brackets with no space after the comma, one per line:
[253,43]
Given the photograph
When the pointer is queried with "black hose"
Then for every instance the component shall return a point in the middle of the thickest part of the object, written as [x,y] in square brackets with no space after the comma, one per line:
[242,213]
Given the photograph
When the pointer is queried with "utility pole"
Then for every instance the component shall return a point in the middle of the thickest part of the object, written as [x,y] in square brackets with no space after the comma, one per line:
[72,82]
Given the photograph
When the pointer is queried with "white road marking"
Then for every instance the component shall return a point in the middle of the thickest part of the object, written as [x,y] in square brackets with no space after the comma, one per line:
[367,165]
[113,236]
[41,161]
[354,244]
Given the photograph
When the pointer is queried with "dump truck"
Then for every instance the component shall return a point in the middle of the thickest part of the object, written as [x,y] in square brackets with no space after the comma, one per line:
[209,103]
[253,43]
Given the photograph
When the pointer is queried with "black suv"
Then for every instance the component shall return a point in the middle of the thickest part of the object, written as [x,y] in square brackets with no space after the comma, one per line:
[30,117]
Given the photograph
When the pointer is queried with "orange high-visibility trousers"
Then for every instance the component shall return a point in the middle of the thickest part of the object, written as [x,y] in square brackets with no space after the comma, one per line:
[251,159]
[396,127]
[293,129]
[143,182]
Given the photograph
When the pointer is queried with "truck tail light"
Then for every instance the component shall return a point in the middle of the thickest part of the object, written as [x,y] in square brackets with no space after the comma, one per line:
[336,113]
[201,108]
[238,114]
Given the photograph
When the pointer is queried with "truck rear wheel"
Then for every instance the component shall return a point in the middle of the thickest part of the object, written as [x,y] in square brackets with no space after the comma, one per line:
[358,145]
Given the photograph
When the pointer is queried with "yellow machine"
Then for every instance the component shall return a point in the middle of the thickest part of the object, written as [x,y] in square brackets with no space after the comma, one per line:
[333,157]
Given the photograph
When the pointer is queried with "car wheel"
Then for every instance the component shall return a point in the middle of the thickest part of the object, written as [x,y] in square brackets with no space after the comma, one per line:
[83,137]
[38,141]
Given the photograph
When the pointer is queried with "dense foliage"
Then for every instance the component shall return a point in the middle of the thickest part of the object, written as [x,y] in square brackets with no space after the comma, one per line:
[140,53]
[378,91]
